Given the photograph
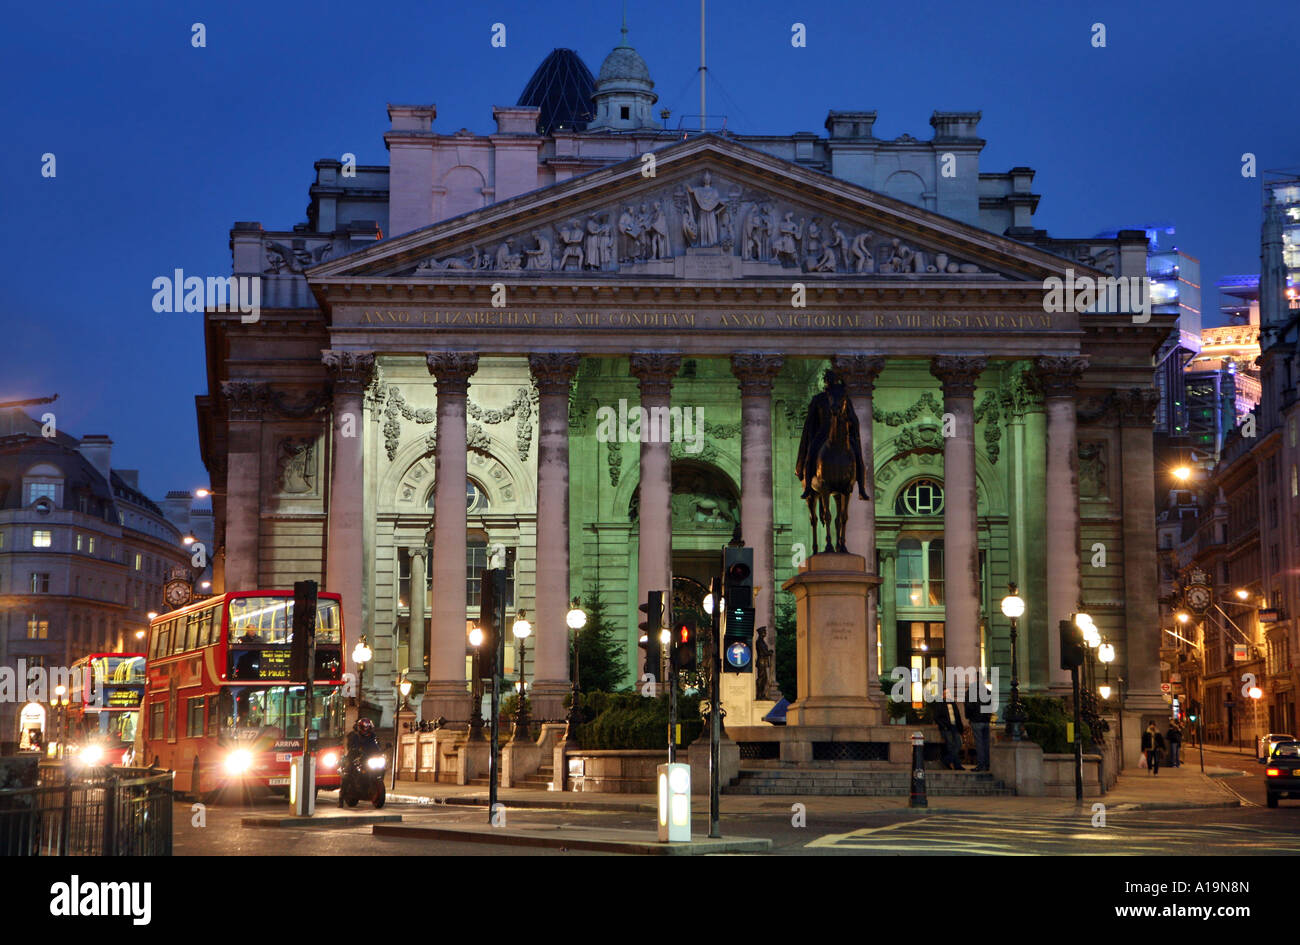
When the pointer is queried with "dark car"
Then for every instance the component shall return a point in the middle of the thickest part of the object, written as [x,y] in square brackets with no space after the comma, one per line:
[1282,777]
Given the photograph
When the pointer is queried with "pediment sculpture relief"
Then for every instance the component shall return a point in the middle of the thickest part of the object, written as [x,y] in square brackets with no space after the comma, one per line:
[740,231]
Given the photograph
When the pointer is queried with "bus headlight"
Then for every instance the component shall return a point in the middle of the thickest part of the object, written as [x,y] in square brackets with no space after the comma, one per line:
[329,759]
[239,761]
[376,763]
[91,755]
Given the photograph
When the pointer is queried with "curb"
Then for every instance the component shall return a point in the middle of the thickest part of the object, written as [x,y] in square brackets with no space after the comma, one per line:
[328,820]
[557,840]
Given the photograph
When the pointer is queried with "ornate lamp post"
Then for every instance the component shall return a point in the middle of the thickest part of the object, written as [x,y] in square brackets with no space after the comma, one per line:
[521,629]
[61,700]
[361,655]
[576,618]
[476,698]
[1013,608]
[1106,653]
[404,688]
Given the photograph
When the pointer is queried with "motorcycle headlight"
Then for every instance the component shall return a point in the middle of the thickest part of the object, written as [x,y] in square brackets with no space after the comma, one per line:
[239,761]
[91,755]
[375,763]
[330,759]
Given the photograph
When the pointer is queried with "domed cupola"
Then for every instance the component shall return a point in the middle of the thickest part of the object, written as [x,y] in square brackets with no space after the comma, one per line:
[624,93]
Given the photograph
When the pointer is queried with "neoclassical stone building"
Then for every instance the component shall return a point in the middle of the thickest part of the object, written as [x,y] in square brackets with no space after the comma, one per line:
[450,348]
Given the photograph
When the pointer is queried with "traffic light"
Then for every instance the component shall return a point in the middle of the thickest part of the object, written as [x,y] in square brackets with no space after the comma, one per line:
[653,608]
[738,583]
[1072,649]
[684,643]
[304,630]
[492,603]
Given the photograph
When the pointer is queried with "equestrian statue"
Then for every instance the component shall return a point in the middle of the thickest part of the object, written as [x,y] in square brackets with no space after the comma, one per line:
[830,460]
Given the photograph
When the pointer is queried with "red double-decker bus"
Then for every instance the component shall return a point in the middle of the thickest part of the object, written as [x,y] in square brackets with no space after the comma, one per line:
[220,709]
[103,713]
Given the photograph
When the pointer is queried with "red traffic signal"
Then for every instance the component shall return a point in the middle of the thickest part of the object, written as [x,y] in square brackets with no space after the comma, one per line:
[684,643]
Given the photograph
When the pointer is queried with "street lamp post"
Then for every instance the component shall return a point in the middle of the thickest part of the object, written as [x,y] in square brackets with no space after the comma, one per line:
[361,655]
[576,619]
[61,698]
[404,687]
[1013,608]
[1255,694]
[521,629]
[476,687]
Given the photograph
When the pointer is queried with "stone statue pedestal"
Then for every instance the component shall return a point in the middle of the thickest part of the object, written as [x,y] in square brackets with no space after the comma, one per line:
[831,592]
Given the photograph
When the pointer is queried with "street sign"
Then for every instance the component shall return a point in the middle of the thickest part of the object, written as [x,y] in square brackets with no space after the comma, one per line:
[1268,615]
[1165,687]
[739,656]
[1240,653]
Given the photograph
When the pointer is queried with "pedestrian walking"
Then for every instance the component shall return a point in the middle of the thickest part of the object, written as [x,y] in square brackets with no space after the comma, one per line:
[979,727]
[1175,739]
[950,727]
[1153,743]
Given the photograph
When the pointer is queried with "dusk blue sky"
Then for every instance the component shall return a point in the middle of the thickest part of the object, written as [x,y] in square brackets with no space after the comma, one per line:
[161,146]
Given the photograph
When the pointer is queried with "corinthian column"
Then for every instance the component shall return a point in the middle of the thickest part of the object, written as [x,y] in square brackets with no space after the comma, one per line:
[552,372]
[1058,378]
[446,694]
[344,561]
[755,373]
[859,373]
[960,535]
[246,402]
[415,644]
[1136,411]
[655,371]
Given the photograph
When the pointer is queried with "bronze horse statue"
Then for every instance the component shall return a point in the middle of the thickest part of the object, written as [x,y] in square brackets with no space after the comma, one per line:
[833,472]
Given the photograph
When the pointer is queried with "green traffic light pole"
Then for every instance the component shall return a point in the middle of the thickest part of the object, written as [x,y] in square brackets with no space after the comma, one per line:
[715,709]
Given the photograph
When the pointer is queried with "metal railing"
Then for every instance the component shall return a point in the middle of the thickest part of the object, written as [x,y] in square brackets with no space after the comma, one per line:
[118,812]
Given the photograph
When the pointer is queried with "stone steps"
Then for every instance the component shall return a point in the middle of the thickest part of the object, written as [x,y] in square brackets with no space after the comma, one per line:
[878,782]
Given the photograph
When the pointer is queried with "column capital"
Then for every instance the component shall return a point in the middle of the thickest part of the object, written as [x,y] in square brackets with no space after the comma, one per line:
[351,370]
[246,400]
[452,369]
[859,371]
[755,372]
[1058,376]
[553,371]
[1135,406]
[655,370]
[417,550]
[957,373]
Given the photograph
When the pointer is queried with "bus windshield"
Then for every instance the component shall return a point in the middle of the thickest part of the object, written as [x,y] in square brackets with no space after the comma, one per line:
[120,670]
[270,620]
[274,713]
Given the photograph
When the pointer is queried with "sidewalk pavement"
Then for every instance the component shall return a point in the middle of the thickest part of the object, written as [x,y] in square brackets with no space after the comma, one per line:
[1172,789]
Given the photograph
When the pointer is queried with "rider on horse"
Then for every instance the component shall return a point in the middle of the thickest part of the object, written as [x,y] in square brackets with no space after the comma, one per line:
[817,427]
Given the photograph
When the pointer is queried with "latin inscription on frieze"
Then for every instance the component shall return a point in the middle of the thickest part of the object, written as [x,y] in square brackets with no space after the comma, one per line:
[705,320]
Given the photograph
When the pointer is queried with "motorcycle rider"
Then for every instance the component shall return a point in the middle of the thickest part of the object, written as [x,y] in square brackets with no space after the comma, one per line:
[362,742]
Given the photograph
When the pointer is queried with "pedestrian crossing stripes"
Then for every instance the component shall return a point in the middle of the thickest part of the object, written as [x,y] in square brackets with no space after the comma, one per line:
[989,835]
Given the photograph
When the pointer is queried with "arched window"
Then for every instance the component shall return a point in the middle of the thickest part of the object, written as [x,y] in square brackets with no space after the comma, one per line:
[43,481]
[920,497]
[476,498]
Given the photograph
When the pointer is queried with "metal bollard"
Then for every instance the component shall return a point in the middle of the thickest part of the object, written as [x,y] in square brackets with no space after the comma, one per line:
[917,798]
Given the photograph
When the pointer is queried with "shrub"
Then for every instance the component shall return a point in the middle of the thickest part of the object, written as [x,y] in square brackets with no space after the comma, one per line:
[623,720]
[1046,724]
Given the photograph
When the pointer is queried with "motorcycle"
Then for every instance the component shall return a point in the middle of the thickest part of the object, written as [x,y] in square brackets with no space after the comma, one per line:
[363,779]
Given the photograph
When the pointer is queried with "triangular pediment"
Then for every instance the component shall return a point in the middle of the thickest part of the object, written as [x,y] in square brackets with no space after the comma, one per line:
[705,209]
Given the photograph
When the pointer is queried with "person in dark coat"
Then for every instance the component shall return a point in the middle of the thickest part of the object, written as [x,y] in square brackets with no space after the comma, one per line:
[1153,743]
[950,727]
[979,728]
[1175,739]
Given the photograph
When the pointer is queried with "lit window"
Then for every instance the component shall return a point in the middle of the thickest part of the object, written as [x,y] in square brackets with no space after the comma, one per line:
[41,490]
[139,560]
[90,545]
[41,538]
[37,629]
[81,542]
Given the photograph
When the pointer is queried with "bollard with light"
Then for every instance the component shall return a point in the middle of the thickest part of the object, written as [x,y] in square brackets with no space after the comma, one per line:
[674,803]
[576,619]
[403,687]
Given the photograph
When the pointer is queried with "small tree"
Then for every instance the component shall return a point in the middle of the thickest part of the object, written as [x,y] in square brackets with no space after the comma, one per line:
[602,661]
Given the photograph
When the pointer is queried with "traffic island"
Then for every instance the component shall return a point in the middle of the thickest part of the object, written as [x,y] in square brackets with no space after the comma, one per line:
[554,836]
[320,820]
